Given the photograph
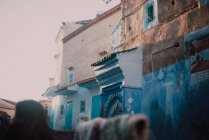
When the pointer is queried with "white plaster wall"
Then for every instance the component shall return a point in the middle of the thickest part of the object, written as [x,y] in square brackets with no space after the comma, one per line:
[131,65]
[58,119]
[83,50]
[58,54]
[116,38]
[80,52]
[70,27]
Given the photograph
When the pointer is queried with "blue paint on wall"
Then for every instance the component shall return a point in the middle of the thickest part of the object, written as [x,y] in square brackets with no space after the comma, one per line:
[131,100]
[175,102]
[194,121]
[175,98]
[163,92]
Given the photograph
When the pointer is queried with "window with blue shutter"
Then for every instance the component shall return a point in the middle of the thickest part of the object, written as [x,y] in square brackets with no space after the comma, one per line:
[150,14]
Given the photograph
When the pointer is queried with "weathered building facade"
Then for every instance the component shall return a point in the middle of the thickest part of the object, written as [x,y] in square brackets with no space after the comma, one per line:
[152,57]
[55,121]
[173,35]
[82,47]
[76,93]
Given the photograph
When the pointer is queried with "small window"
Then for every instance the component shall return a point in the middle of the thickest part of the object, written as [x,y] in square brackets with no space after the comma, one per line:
[150,13]
[62,110]
[70,76]
[82,106]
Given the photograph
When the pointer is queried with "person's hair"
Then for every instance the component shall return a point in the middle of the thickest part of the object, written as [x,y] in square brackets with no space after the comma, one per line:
[30,122]
[4,124]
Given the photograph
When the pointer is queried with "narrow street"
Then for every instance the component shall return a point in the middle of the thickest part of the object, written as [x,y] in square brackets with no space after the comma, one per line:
[110,70]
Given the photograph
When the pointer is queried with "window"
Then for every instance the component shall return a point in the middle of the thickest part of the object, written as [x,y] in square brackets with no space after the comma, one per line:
[70,76]
[150,14]
[62,110]
[82,106]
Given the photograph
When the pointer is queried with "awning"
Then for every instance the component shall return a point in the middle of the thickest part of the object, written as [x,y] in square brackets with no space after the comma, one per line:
[67,90]
[88,83]
[50,92]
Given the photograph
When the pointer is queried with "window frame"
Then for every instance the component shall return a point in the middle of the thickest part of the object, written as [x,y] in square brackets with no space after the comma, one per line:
[82,106]
[154,22]
[70,80]
[147,13]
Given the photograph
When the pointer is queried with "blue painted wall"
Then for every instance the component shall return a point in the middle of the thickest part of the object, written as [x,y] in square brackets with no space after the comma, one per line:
[131,100]
[163,93]
[176,98]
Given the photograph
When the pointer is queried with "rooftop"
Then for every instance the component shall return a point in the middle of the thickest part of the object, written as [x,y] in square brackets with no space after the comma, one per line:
[92,22]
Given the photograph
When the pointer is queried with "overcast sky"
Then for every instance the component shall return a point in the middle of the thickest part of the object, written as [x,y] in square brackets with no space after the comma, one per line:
[27,32]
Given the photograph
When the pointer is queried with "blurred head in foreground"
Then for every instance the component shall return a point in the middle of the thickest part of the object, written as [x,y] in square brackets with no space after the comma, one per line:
[30,123]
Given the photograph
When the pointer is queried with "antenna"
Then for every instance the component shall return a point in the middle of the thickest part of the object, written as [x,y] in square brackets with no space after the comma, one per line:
[107,1]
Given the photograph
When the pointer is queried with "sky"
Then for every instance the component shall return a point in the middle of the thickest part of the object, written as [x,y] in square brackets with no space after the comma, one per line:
[27,32]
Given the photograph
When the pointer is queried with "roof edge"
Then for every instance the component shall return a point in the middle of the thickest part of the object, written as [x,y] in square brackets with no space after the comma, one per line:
[94,21]
[97,63]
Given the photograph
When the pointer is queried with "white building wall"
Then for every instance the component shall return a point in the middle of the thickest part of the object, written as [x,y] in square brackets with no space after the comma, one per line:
[58,54]
[116,38]
[83,49]
[131,65]
[58,119]
[80,52]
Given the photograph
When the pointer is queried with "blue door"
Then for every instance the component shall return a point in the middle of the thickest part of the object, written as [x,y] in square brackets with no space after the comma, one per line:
[95,111]
[68,118]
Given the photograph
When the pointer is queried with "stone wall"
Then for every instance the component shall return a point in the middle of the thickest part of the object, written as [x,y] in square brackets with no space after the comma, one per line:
[175,66]
[163,45]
